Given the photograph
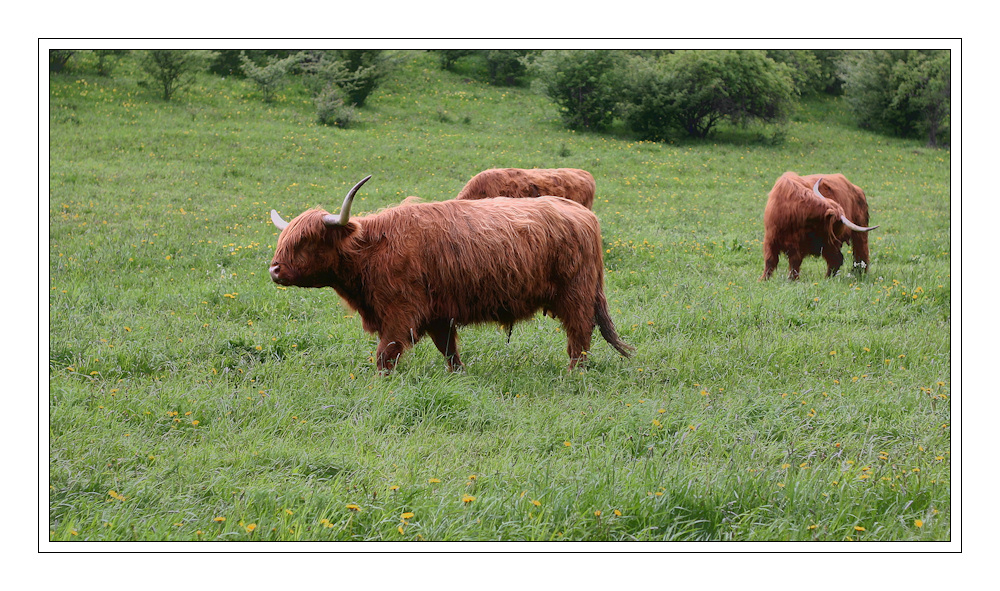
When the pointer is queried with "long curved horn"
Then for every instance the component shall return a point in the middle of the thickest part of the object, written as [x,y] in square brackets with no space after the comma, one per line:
[854,226]
[816,187]
[345,209]
[277,221]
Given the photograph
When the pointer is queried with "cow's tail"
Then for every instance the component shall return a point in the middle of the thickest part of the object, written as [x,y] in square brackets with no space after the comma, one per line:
[607,326]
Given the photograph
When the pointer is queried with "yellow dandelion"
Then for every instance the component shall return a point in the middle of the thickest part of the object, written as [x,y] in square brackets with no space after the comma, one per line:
[918,523]
[785,466]
[617,513]
[219,519]
[353,507]
[597,513]
[468,499]
[536,503]
[394,487]
[251,527]
[813,526]
[567,444]
[400,530]
[406,515]
[433,481]
[858,528]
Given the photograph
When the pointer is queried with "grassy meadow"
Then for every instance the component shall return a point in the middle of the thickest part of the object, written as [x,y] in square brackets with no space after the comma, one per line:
[192,399]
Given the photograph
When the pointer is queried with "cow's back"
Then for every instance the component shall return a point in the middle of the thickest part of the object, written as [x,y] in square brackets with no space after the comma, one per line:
[473,260]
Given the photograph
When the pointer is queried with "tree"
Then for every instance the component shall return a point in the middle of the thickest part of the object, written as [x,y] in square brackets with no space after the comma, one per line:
[906,93]
[173,69]
[584,83]
[692,91]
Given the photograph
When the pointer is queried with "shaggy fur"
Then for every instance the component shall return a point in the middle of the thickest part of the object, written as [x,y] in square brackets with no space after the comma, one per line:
[430,267]
[798,222]
[569,183]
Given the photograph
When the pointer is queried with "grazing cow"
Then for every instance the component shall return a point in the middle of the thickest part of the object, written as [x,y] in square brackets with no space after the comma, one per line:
[814,215]
[421,268]
[569,183]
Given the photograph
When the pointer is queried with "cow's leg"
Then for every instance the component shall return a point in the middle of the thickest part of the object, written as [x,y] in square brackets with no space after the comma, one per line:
[391,345]
[445,336]
[579,328]
[770,260]
[834,259]
[794,264]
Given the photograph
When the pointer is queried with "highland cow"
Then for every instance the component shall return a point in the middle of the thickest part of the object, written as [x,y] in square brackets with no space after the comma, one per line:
[568,183]
[429,268]
[814,215]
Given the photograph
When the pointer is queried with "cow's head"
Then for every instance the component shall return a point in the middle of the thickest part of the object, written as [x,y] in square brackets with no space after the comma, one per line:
[835,217]
[308,246]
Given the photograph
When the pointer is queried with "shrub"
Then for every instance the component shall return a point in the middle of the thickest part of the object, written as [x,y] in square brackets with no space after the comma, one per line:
[692,91]
[584,83]
[173,69]
[107,59]
[332,110]
[901,92]
[448,57]
[506,67]
[270,77]
[357,72]
[58,59]
[805,68]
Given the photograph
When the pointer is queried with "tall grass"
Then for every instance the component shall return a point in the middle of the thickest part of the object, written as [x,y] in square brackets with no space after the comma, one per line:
[190,398]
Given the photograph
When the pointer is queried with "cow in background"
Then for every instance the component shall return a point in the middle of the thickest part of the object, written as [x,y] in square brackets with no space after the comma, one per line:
[428,268]
[814,215]
[569,183]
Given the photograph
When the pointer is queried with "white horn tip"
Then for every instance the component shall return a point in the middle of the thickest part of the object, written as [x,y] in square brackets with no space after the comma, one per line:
[277,221]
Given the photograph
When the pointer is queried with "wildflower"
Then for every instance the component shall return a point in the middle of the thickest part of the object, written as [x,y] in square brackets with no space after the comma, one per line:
[433,481]
[468,499]
[918,523]
[406,515]
[813,526]
[597,513]
[394,487]
[353,507]
[617,513]
[251,527]
[567,444]
[219,519]
[536,503]
[858,528]
[400,530]
[785,466]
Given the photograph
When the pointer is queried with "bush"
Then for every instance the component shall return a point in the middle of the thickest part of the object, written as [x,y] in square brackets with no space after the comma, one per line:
[174,69]
[692,91]
[448,57]
[58,59]
[584,83]
[901,92]
[332,110]
[506,67]
[270,77]
[805,68]
[357,72]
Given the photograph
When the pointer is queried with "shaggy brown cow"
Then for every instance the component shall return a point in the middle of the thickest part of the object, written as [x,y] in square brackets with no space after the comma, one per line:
[569,183]
[799,221]
[421,268]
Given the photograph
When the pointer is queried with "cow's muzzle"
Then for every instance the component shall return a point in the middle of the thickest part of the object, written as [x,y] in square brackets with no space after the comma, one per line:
[276,274]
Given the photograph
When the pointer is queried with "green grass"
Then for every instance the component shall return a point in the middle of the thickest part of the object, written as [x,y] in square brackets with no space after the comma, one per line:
[183,380]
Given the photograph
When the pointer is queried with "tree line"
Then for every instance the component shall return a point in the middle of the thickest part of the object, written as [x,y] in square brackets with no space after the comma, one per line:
[657,95]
